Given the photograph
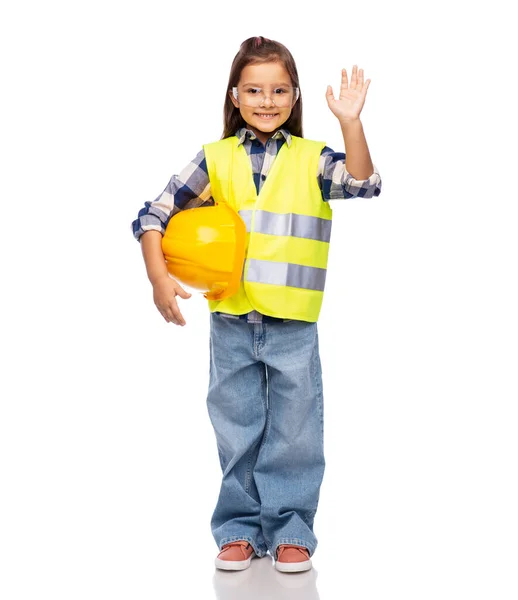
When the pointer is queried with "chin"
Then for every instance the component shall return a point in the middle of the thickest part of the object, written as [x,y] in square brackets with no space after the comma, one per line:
[267,125]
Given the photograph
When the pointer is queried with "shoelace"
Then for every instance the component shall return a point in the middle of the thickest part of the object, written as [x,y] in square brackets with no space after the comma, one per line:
[283,547]
[240,544]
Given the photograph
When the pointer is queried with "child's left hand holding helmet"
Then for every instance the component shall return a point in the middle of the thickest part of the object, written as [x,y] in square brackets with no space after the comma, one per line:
[352,97]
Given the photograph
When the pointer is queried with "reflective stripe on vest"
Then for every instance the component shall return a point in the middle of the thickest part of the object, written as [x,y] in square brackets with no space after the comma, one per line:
[277,273]
[311,228]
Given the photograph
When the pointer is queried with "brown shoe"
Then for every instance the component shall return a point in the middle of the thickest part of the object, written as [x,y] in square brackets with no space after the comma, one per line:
[235,556]
[292,558]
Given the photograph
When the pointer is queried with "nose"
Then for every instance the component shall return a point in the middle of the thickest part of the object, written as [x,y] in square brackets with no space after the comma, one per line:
[267,101]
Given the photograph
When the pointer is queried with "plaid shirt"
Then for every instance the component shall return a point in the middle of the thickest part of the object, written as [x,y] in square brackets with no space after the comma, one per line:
[191,188]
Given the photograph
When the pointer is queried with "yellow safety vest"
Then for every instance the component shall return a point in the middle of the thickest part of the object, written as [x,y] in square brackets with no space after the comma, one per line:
[288,228]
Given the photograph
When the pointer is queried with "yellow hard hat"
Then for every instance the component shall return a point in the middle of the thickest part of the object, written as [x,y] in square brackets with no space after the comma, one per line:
[204,248]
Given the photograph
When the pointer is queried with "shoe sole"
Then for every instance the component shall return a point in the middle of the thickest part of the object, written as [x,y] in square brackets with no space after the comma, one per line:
[233,565]
[295,567]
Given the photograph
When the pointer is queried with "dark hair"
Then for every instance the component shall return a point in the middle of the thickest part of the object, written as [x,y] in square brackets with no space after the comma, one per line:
[258,50]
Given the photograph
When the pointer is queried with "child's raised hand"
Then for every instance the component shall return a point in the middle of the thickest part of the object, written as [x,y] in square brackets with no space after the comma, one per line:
[165,291]
[352,97]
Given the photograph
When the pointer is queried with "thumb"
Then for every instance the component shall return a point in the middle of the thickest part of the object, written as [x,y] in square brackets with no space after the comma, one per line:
[182,293]
[329,94]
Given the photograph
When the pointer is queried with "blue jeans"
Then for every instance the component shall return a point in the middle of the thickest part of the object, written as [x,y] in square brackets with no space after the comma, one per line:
[265,402]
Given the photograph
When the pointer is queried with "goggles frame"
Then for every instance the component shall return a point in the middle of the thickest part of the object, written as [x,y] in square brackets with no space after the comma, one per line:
[235,94]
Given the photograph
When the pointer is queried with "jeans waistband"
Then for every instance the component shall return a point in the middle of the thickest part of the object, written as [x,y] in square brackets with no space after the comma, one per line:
[254,317]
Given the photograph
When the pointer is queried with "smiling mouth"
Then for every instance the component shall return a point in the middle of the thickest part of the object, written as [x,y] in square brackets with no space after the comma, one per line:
[266,115]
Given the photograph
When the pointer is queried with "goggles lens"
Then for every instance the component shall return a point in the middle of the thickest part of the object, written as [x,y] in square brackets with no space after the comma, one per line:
[281,97]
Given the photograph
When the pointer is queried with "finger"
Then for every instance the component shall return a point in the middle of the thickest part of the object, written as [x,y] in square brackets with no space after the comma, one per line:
[178,320]
[360,79]
[354,76]
[330,97]
[175,321]
[345,80]
[172,319]
[182,293]
[168,317]
[177,315]
[344,84]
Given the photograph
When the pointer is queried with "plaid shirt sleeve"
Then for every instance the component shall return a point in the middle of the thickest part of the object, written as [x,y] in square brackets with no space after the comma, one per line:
[336,183]
[189,189]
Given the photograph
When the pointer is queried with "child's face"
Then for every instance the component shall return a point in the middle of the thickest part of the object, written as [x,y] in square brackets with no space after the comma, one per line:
[273,79]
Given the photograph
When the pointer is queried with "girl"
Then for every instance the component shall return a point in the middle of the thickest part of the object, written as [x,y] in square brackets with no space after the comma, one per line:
[265,398]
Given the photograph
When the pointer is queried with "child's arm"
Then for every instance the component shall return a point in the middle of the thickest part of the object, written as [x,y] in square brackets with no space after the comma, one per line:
[189,189]
[357,156]
[165,289]
[151,244]
[347,110]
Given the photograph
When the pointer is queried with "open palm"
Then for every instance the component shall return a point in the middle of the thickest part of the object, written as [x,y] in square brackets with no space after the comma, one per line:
[351,98]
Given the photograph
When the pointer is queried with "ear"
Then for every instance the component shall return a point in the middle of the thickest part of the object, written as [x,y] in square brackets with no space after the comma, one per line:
[297,96]
[234,101]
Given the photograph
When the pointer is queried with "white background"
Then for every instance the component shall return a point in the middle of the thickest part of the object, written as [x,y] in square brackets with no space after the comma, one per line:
[108,461]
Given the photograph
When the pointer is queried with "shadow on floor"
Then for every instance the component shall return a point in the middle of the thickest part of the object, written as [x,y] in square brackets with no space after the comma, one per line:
[262,581]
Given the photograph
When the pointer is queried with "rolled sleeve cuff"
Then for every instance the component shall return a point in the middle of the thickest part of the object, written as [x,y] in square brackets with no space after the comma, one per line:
[147,223]
[358,188]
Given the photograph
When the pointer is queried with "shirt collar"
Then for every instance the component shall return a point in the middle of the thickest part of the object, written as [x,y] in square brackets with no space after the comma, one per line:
[244,133]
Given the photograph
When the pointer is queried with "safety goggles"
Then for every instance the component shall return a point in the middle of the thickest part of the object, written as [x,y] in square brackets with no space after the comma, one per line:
[281,97]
